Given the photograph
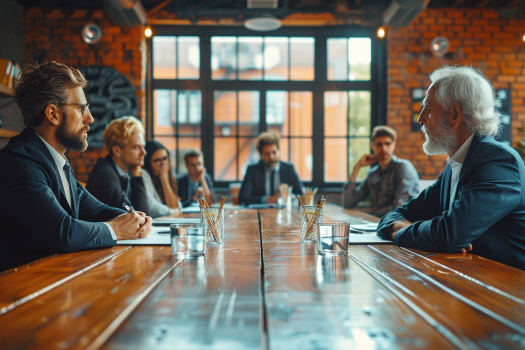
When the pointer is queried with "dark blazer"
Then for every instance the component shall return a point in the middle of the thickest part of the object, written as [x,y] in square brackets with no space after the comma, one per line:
[488,208]
[35,218]
[108,187]
[253,186]
[184,191]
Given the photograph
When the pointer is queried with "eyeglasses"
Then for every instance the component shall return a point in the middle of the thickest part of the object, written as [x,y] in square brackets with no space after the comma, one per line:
[83,106]
[158,160]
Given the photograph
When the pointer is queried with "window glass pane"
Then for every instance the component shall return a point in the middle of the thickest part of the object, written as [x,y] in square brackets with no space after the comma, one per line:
[301,157]
[302,58]
[248,154]
[335,160]
[164,62]
[189,57]
[250,58]
[301,113]
[277,111]
[249,112]
[359,113]
[358,148]
[275,58]
[359,57]
[189,112]
[225,112]
[223,57]
[336,59]
[225,159]
[164,111]
[335,113]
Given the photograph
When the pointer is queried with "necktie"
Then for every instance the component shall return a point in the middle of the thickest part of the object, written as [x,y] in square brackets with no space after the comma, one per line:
[125,183]
[272,182]
[72,186]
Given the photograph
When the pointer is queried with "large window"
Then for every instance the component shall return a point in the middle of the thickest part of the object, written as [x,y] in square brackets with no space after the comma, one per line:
[322,90]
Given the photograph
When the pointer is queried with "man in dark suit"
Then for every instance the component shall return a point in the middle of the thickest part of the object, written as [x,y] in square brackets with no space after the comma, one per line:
[262,180]
[197,181]
[477,203]
[109,181]
[43,209]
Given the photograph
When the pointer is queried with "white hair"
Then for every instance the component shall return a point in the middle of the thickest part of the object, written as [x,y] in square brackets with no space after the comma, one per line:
[474,93]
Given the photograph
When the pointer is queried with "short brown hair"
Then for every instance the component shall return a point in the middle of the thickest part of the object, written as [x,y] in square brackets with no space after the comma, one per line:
[267,138]
[41,85]
[119,131]
[383,130]
[192,152]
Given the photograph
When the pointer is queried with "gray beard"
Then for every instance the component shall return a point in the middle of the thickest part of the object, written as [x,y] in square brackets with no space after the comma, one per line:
[441,141]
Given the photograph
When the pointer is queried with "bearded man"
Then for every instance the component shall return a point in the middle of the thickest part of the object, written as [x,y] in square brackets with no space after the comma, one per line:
[477,203]
[43,209]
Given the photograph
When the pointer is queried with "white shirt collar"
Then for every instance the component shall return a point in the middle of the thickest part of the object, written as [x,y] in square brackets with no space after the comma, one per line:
[461,153]
[60,159]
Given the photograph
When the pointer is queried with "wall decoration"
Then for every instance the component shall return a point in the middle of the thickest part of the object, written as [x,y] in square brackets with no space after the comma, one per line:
[503,98]
[418,95]
[110,96]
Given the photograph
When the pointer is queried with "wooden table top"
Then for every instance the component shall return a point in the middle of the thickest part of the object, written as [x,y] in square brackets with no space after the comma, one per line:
[263,289]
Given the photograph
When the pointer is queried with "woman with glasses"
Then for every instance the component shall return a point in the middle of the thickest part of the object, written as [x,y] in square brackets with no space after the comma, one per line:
[161,185]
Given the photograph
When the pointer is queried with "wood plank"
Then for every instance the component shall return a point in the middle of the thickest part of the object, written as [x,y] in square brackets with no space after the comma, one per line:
[85,310]
[213,302]
[26,282]
[464,316]
[315,302]
[478,293]
[502,279]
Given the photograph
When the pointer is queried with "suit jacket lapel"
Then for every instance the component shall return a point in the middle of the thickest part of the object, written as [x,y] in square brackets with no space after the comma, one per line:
[464,168]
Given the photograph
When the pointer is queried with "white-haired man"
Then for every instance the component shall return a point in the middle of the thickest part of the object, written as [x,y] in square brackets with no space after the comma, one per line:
[477,203]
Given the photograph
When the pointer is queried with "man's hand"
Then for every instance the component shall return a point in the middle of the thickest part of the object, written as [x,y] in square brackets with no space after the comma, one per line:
[202,175]
[135,170]
[366,160]
[131,225]
[198,192]
[398,226]
[274,198]
[466,249]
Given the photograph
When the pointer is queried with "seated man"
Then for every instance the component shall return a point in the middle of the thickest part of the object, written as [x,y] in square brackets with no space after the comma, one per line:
[391,181]
[109,181]
[43,209]
[262,180]
[477,203]
[197,181]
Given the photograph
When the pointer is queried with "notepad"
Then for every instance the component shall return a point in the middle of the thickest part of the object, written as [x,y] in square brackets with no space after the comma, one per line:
[157,236]
[169,221]
[368,238]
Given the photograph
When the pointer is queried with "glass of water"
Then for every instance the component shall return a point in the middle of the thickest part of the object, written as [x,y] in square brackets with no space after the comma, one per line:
[332,238]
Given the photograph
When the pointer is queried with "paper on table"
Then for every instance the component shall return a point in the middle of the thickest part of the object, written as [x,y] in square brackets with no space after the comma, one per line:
[366,227]
[169,221]
[367,239]
[154,238]
[191,209]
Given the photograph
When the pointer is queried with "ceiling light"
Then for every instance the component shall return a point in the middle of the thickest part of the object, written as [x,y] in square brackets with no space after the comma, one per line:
[263,23]
[381,32]
[92,33]
[148,32]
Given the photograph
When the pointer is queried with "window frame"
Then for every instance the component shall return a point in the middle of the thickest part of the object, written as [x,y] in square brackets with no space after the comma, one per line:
[377,85]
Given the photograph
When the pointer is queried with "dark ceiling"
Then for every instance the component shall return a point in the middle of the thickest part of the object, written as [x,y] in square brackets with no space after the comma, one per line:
[287,5]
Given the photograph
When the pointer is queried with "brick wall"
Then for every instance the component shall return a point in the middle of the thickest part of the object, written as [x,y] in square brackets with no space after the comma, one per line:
[480,38]
[54,35]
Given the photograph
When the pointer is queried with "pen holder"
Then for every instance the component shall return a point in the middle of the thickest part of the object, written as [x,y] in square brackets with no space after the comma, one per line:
[187,240]
[213,221]
[310,216]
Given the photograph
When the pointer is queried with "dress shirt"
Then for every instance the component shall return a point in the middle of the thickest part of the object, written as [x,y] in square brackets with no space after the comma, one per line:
[60,161]
[456,162]
[267,183]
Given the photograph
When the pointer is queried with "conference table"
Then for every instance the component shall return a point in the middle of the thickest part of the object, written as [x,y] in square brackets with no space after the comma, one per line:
[263,289]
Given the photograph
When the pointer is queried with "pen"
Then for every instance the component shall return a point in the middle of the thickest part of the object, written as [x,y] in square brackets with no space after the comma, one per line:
[128,208]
